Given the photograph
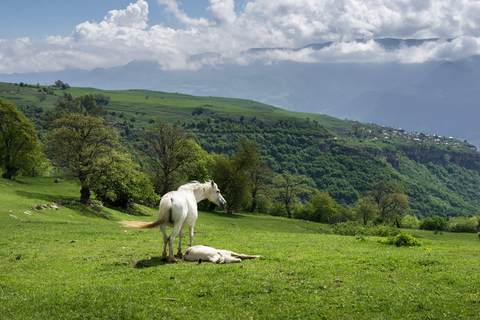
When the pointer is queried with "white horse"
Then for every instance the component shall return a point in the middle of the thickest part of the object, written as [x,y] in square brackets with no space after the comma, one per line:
[178,209]
[206,253]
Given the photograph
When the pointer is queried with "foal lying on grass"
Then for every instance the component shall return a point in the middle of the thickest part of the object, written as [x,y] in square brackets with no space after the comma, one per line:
[206,253]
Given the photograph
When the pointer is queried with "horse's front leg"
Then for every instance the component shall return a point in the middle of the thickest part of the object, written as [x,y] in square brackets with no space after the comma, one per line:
[191,235]
[180,237]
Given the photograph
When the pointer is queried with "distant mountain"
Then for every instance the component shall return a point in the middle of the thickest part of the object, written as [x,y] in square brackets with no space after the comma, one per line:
[436,97]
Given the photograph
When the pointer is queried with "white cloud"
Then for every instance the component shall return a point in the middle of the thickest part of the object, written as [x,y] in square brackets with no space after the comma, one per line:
[124,35]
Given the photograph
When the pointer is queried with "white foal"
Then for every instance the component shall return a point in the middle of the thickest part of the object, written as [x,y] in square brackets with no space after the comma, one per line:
[206,253]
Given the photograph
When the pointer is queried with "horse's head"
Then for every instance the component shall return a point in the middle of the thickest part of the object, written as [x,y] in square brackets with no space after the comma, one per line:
[214,195]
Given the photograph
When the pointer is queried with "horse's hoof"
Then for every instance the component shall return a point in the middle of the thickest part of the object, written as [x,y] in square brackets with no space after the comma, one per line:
[173,260]
[164,260]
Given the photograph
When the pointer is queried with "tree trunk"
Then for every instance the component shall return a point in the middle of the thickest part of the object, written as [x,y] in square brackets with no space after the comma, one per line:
[254,205]
[10,173]
[84,195]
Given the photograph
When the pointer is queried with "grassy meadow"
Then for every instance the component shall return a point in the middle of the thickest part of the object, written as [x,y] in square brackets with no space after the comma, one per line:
[76,263]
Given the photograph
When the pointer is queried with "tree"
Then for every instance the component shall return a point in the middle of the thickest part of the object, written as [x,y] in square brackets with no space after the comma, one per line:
[434,223]
[390,201]
[86,147]
[324,207]
[19,144]
[124,184]
[289,188]
[67,104]
[234,176]
[365,210]
[167,150]
[259,174]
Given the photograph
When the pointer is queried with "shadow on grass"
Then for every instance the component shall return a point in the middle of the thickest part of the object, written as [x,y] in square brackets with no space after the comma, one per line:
[45,197]
[149,263]
[226,214]
[84,210]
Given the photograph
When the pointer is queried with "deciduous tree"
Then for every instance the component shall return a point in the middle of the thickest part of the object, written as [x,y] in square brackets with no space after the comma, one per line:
[289,188]
[167,150]
[85,146]
[390,201]
[19,144]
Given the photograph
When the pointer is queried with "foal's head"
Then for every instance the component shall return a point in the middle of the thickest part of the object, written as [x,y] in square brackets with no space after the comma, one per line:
[213,194]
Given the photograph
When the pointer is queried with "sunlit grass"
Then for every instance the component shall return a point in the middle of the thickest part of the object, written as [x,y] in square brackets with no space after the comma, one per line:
[71,264]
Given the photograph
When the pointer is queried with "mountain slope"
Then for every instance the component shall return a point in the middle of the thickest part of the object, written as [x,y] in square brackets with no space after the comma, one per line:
[441,175]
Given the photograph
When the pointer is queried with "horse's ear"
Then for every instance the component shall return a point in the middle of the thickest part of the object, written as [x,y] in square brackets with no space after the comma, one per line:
[213,183]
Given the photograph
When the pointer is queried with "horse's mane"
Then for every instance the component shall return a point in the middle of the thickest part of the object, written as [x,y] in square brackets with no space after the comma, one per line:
[192,185]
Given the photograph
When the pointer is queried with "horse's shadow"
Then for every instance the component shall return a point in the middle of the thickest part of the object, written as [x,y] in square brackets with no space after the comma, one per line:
[150,262]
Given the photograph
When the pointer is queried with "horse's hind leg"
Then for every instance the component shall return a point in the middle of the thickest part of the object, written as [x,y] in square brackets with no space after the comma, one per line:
[163,228]
[176,230]
[180,237]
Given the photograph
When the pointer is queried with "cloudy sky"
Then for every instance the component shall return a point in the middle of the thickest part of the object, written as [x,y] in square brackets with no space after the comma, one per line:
[48,35]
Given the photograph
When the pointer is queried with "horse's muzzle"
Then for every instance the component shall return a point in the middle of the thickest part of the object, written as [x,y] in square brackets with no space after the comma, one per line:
[223,204]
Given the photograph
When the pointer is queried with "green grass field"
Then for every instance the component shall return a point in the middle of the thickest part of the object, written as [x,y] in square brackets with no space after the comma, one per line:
[74,263]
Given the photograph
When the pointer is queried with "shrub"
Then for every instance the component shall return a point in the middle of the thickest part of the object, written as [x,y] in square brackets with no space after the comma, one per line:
[349,228]
[410,222]
[404,240]
[383,230]
[462,224]
[434,223]
[353,228]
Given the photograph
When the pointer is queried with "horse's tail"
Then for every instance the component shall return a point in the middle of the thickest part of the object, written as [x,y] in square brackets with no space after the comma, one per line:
[163,215]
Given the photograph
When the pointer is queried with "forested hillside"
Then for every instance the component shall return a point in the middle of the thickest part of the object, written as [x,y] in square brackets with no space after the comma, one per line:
[441,175]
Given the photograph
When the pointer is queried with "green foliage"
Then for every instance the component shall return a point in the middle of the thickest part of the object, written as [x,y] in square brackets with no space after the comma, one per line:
[463,224]
[321,208]
[410,222]
[166,151]
[123,184]
[404,240]
[85,147]
[349,228]
[289,188]
[19,144]
[434,223]
[353,228]
[389,200]
[439,180]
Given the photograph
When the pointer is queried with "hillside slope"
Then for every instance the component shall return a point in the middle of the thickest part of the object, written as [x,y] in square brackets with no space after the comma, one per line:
[343,157]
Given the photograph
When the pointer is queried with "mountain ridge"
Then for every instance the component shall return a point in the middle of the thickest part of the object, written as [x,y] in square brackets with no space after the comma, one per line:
[436,97]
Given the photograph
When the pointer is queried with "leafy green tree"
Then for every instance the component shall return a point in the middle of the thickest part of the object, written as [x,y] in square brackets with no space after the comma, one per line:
[85,105]
[259,174]
[230,181]
[434,223]
[201,168]
[390,201]
[365,210]
[124,184]
[19,144]
[410,222]
[86,147]
[234,176]
[288,190]
[167,151]
[324,207]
